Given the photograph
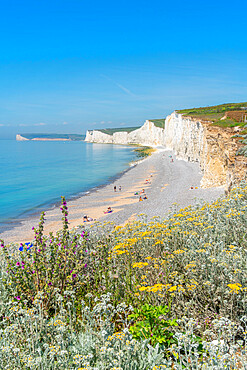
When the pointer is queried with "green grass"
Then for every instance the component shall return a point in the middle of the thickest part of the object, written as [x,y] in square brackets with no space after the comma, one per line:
[111,131]
[215,113]
[73,137]
[159,122]
[144,151]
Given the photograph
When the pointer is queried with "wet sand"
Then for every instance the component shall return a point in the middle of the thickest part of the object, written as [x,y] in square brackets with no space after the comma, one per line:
[168,183]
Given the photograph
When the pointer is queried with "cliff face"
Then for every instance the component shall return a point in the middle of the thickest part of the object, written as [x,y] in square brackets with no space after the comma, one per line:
[21,138]
[213,147]
[148,135]
[192,140]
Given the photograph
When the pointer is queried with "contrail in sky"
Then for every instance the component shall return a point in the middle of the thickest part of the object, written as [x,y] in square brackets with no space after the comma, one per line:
[119,85]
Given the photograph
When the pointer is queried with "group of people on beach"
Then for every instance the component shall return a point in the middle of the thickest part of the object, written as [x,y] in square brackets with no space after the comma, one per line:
[119,188]
[88,219]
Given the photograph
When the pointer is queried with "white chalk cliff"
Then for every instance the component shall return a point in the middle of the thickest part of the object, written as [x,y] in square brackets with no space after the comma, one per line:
[192,140]
[21,138]
[148,135]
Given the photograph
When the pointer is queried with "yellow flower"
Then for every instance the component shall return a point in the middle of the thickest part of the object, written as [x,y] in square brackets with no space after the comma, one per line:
[235,288]
[173,288]
[143,288]
[140,264]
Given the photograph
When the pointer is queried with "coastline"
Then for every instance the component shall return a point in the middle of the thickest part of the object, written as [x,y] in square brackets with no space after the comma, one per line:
[170,182]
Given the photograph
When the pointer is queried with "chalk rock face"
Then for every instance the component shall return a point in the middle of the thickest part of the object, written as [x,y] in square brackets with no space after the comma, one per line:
[192,140]
[96,136]
[213,147]
[148,134]
[21,138]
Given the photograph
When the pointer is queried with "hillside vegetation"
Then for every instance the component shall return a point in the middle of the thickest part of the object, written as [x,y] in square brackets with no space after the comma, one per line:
[159,122]
[111,131]
[166,294]
[233,114]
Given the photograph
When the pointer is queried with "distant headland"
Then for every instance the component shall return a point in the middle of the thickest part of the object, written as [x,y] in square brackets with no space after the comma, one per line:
[50,137]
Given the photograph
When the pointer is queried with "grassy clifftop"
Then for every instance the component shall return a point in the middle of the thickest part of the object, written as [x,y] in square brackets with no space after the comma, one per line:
[224,115]
[111,131]
[159,122]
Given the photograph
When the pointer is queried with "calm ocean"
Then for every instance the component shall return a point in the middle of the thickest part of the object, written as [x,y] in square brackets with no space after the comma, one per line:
[35,174]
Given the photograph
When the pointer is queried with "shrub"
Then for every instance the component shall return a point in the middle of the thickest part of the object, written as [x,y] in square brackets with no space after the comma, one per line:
[48,264]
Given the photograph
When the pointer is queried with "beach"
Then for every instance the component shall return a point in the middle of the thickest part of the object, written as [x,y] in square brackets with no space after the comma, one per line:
[169,184]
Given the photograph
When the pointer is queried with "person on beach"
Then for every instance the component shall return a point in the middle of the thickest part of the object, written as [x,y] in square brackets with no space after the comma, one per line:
[109,210]
[88,219]
[120,188]
[115,188]
[140,199]
[145,197]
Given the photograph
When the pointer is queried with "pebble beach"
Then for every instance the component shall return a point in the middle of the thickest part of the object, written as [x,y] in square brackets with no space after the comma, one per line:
[169,184]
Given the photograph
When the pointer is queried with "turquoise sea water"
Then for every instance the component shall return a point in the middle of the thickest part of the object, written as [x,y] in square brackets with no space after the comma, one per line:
[35,174]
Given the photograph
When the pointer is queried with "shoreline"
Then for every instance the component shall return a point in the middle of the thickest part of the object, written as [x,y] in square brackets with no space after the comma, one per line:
[170,183]
[49,206]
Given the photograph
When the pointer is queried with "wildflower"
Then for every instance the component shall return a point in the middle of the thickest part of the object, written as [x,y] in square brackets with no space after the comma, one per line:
[173,288]
[235,288]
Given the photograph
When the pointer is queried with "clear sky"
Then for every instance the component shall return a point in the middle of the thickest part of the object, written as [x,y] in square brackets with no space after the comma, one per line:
[69,65]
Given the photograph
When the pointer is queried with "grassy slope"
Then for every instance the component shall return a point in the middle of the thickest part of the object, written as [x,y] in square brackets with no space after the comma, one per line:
[111,131]
[158,122]
[215,113]
[74,137]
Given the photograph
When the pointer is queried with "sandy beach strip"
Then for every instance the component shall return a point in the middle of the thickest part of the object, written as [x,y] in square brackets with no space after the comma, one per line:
[166,183]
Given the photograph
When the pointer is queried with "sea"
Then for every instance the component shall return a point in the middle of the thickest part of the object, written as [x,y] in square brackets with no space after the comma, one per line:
[35,174]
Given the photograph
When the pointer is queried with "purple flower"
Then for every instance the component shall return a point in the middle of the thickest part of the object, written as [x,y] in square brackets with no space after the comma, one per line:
[18,298]
[85,265]
[49,283]
[18,264]
[73,276]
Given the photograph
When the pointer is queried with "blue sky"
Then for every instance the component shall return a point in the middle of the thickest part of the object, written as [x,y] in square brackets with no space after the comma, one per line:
[66,66]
